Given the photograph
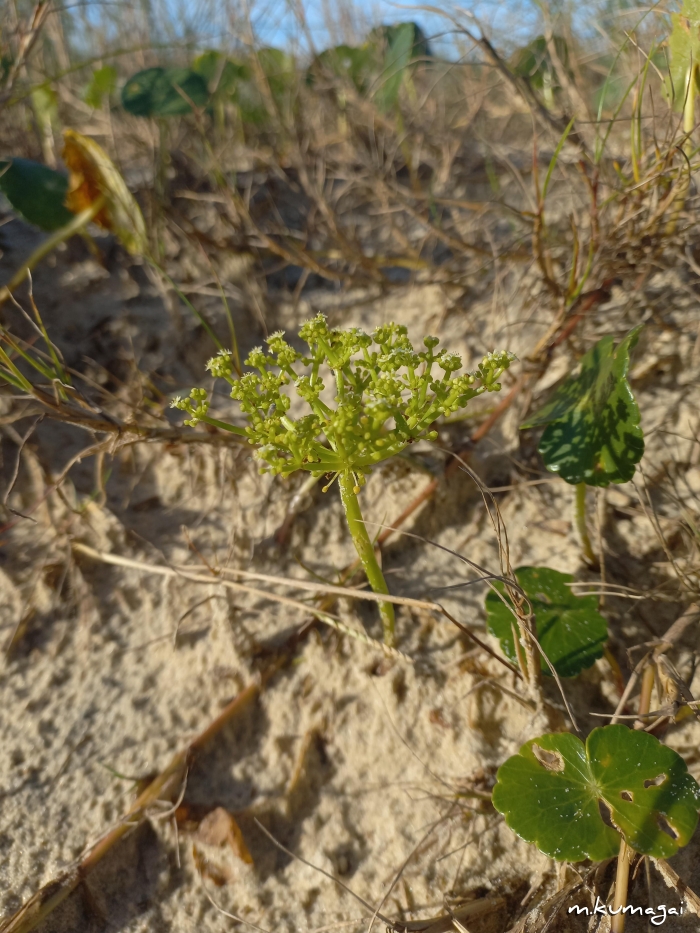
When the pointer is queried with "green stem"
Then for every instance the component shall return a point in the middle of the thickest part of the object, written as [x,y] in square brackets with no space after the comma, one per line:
[683,184]
[689,109]
[365,550]
[50,244]
[581,527]
[223,425]
[625,856]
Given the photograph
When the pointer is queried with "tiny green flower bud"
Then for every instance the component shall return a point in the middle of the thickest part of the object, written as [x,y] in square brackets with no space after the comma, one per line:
[256,359]
[221,365]
[385,397]
[450,362]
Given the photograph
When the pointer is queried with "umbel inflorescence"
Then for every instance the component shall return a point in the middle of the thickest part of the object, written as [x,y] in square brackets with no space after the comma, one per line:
[387,395]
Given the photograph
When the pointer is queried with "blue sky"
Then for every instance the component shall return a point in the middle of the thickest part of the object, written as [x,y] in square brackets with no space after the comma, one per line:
[215,24]
[276,22]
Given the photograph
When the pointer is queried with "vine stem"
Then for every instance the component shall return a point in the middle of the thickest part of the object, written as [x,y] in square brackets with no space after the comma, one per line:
[625,855]
[50,243]
[621,883]
[365,550]
[581,527]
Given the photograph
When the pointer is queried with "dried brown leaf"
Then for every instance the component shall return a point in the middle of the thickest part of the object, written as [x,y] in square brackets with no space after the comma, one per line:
[219,829]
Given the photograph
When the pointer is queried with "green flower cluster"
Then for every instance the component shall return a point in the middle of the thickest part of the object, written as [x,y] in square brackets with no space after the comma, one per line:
[387,395]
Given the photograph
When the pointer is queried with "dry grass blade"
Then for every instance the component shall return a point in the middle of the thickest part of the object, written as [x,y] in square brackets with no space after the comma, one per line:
[226,913]
[541,356]
[473,911]
[467,204]
[321,871]
[219,579]
[673,880]
[647,663]
[166,786]
[186,573]
[27,41]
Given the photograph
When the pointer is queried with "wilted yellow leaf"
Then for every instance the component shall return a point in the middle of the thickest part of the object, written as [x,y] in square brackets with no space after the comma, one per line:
[92,173]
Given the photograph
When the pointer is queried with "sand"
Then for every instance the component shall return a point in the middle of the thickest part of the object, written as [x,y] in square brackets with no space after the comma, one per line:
[372,769]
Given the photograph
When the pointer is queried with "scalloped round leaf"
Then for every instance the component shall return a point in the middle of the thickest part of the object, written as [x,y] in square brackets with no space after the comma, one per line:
[593,434]
[221,74]
[276,64]
[545,794]
[93,174]
[280,70]
[653,800]
[569,627]
[37,192]
[562,795]
[534,62]
[345,61]
[164,92]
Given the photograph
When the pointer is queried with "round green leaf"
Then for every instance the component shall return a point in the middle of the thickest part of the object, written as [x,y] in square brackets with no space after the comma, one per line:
[279,68]
[44,103]
[101,85]
[279,71]
[553,791]
[36,192]
[534,62]
[155,92]
[593,434]
[221,74]
[345,61]
[251,104]
[570,629]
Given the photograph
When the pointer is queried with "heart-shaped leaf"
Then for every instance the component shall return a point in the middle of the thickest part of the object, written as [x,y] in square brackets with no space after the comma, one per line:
[164,92]
[553,791]
[570,629]
[37,192]
[593,434]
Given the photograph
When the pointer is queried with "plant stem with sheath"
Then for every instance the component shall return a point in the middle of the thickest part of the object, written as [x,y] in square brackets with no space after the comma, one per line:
[365,550]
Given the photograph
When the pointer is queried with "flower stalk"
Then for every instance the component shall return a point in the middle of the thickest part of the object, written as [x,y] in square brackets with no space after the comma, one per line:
[365,551]
[366,399]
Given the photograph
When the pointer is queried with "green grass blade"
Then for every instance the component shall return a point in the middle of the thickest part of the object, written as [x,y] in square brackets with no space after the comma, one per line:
[555,157]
